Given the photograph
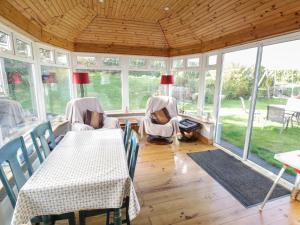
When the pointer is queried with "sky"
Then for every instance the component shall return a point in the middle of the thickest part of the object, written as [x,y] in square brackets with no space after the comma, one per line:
[279,56]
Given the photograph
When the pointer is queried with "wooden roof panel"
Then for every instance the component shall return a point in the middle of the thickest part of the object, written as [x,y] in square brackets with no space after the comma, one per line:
[188,26]
[119,32]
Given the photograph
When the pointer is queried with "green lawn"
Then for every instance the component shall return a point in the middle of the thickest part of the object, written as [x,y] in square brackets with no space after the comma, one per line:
[266,137]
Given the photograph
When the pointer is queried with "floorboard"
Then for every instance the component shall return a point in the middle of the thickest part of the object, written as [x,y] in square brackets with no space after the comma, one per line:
[173,189]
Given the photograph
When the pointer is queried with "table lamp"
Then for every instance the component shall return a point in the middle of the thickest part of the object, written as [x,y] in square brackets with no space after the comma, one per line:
[14,78]
[49,79]
[81,78]
[167,80]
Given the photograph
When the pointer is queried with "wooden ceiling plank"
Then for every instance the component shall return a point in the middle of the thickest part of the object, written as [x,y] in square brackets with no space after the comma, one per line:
[255,17]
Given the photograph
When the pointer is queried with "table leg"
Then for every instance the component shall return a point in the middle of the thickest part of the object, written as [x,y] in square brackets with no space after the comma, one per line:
[117,217]
[273,187]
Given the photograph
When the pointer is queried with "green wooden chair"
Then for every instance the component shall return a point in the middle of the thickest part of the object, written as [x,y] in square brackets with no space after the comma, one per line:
[8,154]
[132,160]
[39,133]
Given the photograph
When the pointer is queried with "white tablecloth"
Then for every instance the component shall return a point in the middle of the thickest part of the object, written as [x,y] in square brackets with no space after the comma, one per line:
[87,170]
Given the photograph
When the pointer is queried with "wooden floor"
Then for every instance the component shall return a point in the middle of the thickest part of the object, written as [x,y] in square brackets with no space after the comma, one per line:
[172,189]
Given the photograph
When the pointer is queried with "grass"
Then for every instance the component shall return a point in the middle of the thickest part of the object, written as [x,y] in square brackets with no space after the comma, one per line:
[266,138]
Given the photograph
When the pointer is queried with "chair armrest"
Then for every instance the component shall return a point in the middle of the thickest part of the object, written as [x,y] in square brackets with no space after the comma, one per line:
[81,127]
[111,122]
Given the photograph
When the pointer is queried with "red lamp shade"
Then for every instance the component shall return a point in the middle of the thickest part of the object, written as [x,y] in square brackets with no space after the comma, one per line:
[81,78]
[167,79]
[15,78]
[49,78]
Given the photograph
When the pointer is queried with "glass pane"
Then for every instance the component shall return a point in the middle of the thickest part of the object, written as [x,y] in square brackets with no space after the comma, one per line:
[137,62]
[142,85]
[237,82]
[46,55]
[186,91]
[212,60]
[278,101]
[106,86]
[210,79]
[158,64]
[23,48]
[4,42]
[61,58]
[86,60]
[193,62]
[18,108]
[56,90]
[178,63]
[111,61]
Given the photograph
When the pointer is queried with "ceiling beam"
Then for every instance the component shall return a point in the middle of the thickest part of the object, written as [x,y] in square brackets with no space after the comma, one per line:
[120,49]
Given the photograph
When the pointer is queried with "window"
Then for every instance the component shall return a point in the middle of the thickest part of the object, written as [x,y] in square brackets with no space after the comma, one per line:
[106,85]
[186,91]
[279,82]
[142,85]
[61,58]
[111,61]
[178,63]
[5,42]
[23,48]
[56,90]
[18,108]
[193,62]
[158,64]
[137,62]
[86,61]
[212,60]
[236,91]
[210,79]
[46,55]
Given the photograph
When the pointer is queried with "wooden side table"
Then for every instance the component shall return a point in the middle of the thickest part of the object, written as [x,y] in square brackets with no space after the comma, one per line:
[135,123]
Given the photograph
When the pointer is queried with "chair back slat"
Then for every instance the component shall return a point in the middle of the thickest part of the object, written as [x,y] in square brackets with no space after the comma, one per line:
[127,134]
[40,133]
[8,153]
[133,154]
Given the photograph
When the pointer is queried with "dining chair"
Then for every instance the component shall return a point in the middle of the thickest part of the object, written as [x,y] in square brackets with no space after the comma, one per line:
[127,134]
[132,160]
[39,133]
[8,154]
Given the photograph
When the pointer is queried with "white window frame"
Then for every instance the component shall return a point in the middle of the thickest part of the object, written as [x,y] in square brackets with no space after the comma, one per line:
[27,41]
[11,42]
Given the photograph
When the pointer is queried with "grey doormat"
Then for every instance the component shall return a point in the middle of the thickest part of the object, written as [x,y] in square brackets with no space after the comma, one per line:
[244,183]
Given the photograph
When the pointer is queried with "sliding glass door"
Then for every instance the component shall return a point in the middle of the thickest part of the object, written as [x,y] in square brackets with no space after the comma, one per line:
[276,122]
[235,94]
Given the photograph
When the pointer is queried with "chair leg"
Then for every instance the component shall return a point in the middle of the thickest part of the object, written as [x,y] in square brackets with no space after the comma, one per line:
[71,220]
[107,216]
[127,216]
[81,218]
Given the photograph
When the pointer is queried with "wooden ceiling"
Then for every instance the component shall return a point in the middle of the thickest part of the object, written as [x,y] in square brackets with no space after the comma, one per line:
[145,27]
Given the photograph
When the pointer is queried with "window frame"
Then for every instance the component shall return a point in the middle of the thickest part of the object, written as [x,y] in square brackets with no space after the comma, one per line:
[25,40]
[11,42]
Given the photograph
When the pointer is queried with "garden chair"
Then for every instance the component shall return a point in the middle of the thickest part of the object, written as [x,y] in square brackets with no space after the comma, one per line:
[8,154]
[257,113]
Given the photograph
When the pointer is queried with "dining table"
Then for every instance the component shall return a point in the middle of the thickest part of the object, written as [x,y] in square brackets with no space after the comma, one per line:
[87,170]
